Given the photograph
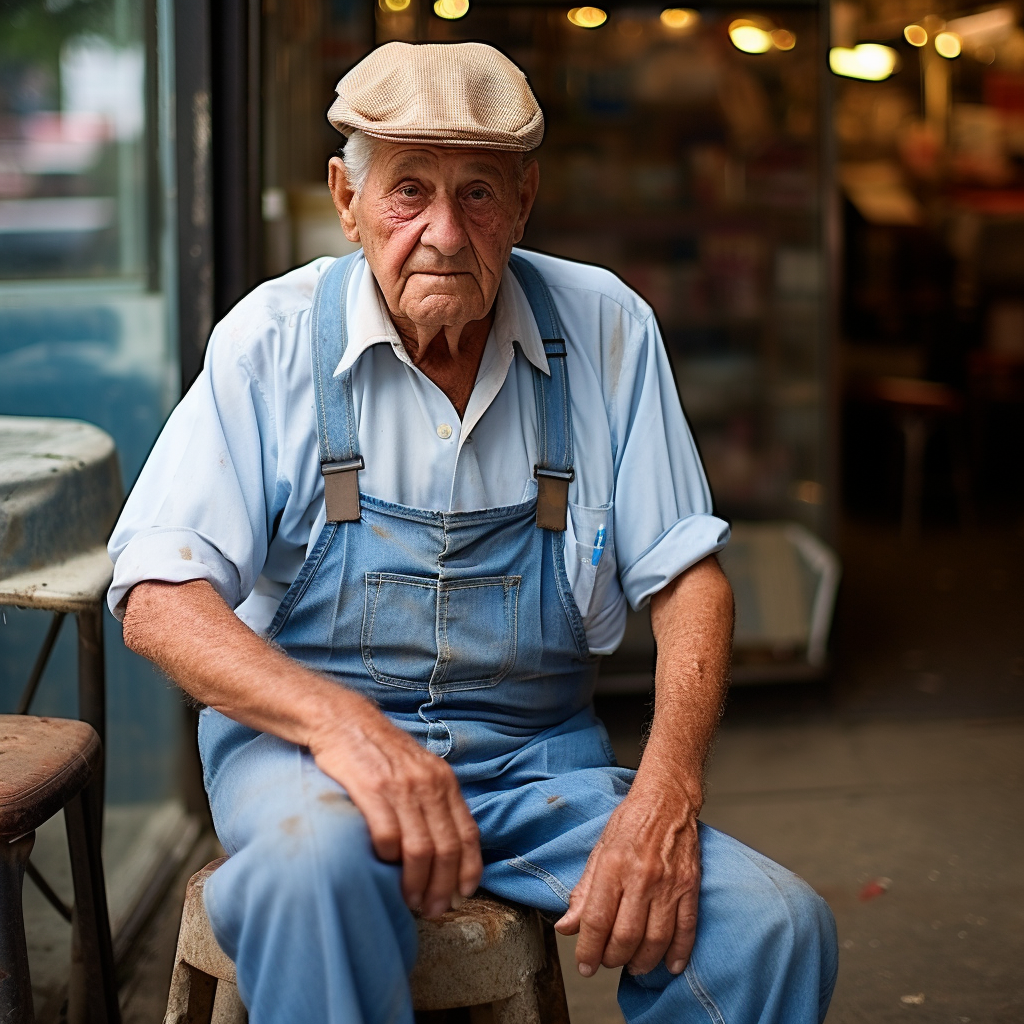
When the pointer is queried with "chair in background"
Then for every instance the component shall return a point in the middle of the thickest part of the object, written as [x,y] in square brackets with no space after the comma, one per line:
[918,408]
[47,764]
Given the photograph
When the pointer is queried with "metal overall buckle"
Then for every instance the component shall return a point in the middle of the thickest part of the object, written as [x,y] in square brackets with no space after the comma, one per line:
[341,489]
[552,496]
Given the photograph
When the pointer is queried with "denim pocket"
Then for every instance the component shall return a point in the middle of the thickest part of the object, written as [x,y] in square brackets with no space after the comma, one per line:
[419,632]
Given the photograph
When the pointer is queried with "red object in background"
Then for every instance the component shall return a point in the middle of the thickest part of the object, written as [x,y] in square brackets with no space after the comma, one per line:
[997,202]
[1004,90]
[875,888]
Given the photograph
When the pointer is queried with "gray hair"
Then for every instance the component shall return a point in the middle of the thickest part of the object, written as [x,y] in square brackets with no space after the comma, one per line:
[357,157]
[360,149]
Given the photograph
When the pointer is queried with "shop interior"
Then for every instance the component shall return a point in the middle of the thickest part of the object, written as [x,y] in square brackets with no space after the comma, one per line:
[824,205]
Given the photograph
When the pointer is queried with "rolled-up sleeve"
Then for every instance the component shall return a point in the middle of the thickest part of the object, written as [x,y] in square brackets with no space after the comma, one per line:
[199,509]
[664,519]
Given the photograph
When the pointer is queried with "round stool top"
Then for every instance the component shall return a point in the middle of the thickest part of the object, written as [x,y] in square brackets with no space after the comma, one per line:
[44,762]
[60,491]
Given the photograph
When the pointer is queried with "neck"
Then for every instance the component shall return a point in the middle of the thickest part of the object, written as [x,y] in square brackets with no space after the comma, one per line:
[451,358]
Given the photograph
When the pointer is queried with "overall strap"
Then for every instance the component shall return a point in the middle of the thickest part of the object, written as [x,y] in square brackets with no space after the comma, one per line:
[554,469]
[340,460]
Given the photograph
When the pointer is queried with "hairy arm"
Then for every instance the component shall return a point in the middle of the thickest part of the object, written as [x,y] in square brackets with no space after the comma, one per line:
[636,903]
[410,798]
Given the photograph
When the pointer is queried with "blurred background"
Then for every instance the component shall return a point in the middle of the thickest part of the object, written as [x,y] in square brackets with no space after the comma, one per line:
[824,204]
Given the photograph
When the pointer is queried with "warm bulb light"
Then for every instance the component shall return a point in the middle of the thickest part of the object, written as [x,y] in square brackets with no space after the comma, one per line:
[748,37]
[587,17]
[915,35]
[783,39]
[451,10]
[948,45]
[394,6]
[871,62]
[679,18]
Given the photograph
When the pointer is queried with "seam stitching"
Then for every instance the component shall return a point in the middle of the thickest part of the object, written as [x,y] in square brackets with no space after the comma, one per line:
[545,876]
[702,995]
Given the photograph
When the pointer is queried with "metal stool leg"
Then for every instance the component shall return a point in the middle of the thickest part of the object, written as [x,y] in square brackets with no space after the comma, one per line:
[551,1001]
[92,693]
[15,984]
[915,437]
[92,992]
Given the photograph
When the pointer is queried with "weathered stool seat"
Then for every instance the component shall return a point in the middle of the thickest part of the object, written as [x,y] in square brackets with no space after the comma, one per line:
[45,765]
[490,955]
[44,762]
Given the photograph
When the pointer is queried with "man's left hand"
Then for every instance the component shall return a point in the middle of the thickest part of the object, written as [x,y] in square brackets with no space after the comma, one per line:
[636,903]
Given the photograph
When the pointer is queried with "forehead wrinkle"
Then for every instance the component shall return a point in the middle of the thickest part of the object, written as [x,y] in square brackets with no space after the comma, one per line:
[409,162]
[482,167]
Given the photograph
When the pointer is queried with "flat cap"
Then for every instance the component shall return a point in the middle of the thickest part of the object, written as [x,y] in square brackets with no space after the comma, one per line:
[444,94]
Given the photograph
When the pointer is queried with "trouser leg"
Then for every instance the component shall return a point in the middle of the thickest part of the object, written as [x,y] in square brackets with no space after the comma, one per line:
[765,951]
[314,921]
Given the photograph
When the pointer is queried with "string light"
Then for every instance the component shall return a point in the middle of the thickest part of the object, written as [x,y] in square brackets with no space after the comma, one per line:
[948,45]
[451,10]
[869,61]
[394,6]
[783,39]
[679,18]
[916,35]
[749,37]
[587,17]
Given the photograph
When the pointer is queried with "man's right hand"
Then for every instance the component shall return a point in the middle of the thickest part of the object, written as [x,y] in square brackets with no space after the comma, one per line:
[412,805]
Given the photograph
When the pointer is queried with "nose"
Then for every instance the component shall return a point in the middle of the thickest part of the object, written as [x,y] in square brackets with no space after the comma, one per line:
[445,230]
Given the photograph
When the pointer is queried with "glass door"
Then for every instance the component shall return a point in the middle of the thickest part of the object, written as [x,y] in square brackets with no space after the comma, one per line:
[87,331]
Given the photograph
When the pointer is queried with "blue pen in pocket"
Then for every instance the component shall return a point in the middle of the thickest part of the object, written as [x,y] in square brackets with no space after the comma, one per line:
[598,546]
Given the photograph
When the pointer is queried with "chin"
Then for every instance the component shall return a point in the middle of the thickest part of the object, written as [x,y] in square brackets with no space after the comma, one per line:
[442,310]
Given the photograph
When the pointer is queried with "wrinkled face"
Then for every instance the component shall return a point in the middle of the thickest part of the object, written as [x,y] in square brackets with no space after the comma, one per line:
[437,225]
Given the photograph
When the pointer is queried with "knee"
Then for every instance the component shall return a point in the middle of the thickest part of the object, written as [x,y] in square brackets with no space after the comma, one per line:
[805,919]
[797,934]
[774,909]
[297,863]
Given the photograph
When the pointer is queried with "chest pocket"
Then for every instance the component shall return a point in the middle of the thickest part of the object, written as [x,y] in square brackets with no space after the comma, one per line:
[419,632]
[587,580]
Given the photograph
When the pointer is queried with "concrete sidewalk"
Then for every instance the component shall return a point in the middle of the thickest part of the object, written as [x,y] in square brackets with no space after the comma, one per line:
[931,812]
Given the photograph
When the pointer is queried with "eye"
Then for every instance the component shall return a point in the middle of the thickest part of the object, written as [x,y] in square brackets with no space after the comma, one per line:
[409,191]
[478,194]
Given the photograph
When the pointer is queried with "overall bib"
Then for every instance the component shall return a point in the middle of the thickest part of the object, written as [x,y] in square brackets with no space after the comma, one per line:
[462,627]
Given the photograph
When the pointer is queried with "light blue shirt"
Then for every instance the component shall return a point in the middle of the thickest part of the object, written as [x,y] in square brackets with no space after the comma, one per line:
[232,491]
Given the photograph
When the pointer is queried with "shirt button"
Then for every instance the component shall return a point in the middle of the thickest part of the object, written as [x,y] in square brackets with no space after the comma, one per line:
[444,431]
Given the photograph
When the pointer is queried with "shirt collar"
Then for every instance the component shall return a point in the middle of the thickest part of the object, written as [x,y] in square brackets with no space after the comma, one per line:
[369,322]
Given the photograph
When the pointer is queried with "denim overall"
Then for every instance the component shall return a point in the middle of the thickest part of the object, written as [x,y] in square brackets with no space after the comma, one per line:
[462,627]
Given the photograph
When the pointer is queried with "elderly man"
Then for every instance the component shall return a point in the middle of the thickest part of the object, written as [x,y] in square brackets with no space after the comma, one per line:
[385,538]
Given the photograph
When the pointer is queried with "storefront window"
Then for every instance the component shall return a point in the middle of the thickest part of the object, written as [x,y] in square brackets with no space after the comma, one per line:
[72,131]
[86,331]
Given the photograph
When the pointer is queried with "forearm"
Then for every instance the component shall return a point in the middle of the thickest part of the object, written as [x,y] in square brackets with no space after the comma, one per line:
[189,632]
[410,798]
[692,620]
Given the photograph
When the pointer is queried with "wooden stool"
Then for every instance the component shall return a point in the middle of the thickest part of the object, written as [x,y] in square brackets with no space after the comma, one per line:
[46,764]
[917,406]
[497,959]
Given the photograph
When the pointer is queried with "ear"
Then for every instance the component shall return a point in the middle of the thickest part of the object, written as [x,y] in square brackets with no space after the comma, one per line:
[528,193]
[343,196]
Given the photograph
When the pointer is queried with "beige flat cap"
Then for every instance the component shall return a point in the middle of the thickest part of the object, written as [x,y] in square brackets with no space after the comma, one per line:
[445,94]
